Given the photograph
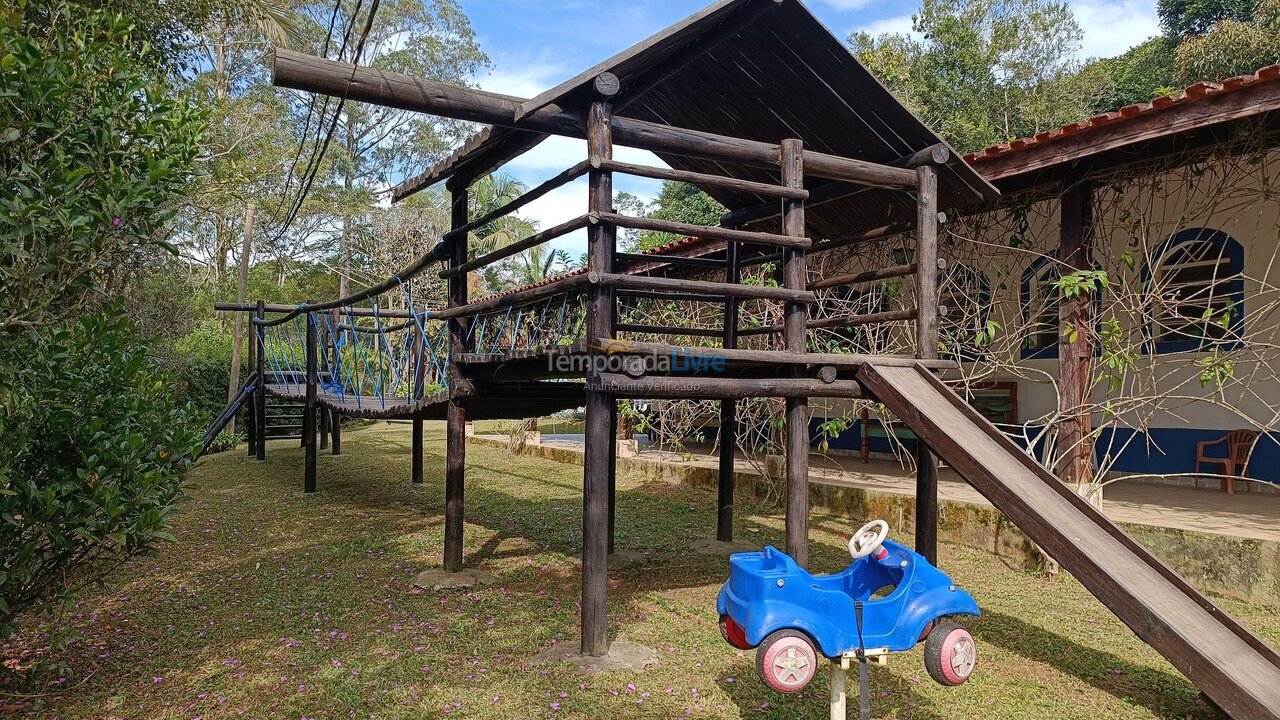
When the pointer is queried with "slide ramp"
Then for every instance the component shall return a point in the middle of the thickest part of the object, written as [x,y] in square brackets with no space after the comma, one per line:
[1235,669]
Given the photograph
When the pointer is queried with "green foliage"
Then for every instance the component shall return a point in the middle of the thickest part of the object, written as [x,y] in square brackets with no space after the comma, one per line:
[1196,17]
[94,151]
[985,70]
[1083,282]
[1233,46]
[677,201]
[1143,72]
[93,450]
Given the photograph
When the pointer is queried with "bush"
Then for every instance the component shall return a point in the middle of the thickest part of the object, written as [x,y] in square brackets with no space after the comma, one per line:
[93,449]
[94,152]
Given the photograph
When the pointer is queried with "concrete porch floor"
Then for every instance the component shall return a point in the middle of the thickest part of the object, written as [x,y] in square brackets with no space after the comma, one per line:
[1207,510]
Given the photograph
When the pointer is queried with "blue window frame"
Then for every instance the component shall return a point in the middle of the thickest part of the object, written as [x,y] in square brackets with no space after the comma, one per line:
[1195,291]
[1041,308]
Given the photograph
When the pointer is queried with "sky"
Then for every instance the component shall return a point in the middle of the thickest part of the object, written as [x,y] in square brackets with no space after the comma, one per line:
[535,44]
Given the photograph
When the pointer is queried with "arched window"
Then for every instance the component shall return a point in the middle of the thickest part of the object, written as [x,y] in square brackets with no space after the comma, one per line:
[1041,306]
[966,294]
[1196,292]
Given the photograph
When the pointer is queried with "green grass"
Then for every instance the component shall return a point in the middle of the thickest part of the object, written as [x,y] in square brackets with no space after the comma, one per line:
[276,605]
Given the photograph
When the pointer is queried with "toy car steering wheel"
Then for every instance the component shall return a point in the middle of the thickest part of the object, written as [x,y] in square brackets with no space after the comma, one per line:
[868,540]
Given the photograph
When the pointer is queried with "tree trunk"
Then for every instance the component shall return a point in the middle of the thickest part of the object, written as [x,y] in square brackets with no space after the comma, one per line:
[237,346]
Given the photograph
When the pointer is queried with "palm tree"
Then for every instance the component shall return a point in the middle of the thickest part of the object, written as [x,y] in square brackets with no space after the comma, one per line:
[486,195]
[538,264]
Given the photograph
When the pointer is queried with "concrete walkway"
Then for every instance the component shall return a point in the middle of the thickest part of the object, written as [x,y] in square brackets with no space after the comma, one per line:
[1206,510]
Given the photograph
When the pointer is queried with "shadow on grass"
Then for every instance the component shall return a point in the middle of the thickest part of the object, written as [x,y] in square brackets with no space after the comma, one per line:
[1167,694]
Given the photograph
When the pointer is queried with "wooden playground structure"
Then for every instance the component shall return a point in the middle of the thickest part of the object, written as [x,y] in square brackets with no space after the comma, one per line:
[757,104]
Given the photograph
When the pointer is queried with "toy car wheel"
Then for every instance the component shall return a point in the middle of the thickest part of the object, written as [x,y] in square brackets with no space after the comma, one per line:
[950,654]
[733,633]
[787,661]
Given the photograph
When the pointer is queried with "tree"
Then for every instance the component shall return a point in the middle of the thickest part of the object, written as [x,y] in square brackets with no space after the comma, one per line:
[985,70]
[372,144]
[1233,45]
[677,201]
[95,152]
[1180,18]
[1141,73]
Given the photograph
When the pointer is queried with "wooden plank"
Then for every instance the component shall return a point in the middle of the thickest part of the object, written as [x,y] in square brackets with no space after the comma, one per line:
[713,233]
[1231,665]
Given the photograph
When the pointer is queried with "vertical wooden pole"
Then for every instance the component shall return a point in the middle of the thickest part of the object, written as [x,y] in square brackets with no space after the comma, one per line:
[251,410]
[309,421]
[260,399]
[416,474]
[613,473]
[795,322]
[455,464]
[1075,354]
[600,407]
[728,408]
[927,349]
[335,426]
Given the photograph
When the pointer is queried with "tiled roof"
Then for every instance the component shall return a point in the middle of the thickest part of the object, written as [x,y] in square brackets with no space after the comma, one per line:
[1191,95]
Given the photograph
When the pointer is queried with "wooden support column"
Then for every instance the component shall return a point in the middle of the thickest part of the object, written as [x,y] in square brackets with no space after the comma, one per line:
[335,423]
[417,444]
[728,407]
[322,418]
[260,399]
[1075,350]
[927,349]
[601,408]
[251,410]
[455,463]
[795,325]
[309,416]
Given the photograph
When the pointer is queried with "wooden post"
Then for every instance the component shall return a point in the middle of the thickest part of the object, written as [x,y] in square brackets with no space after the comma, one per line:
[927,349]
[416,472]
[416,358]
[795,321]
[455,464]
[600,407]
[260,399]
[728,408]
[613,471]
[1075,354]
[309,419]
[322,418]
[251,410]
[335,426]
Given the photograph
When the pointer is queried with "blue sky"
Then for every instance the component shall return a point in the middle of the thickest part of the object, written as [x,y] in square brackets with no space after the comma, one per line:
[535,44]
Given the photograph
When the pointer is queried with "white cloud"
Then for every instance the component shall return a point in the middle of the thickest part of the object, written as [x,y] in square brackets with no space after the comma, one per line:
[1113,26]
[524,74]
[846,5]
[899,24]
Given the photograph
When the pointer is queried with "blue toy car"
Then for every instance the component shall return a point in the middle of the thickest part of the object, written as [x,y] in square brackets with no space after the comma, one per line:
[791,616]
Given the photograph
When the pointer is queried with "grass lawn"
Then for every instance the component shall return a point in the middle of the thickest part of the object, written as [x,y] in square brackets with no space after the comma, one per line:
[276,605]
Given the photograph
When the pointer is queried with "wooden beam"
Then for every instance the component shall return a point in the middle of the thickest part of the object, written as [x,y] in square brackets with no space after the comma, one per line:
[840,321]
[627,259]
[657,388]
[668,330]
[894,271]
[276,308]
[728,439]
[260,397]
[642,282]
[776,357]
[309,419]
[515,205]
[518,247]
[494,302]
[311,74]
[702,231]
[701,179]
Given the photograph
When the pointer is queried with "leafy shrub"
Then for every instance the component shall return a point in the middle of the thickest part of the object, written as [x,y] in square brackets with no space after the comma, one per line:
[94,151]
[93,449]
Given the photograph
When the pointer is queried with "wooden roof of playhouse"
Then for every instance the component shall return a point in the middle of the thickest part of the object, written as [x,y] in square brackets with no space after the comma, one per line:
[762,70]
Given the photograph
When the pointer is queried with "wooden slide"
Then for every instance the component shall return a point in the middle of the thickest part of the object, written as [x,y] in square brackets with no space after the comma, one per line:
[1235,669]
